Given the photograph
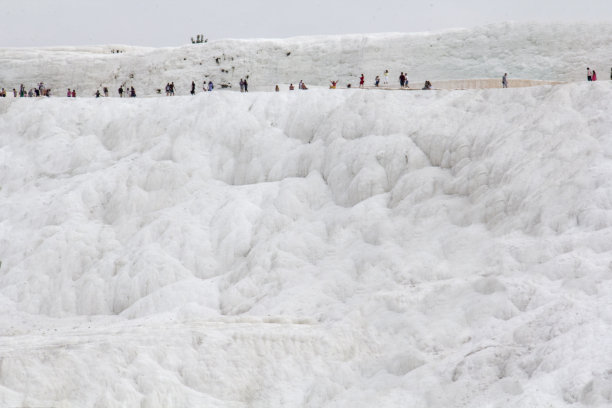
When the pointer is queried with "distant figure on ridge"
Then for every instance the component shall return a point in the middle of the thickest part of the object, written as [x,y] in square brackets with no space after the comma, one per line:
[376,81]
[594,75]
[132,92]
[120,90]
[97,93]
[192,87]
[505,80]
[402,79]
[589,74]
[386,77]
[427,86]
[361,81]
[333,84]
[277,89]
[241,85]
[210,86]
[291,87]
[74,93]
[246,86]
[68,94]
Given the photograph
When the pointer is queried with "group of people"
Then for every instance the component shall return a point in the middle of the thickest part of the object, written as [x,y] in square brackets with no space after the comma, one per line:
[40,90]
[301,85]
[129,91]
[205,87]
[244,85]
[105,90]
[403,80]
[592,75]
[170,89]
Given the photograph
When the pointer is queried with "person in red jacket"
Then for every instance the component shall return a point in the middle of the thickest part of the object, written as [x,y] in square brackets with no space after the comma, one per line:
[361,81]
[73,93]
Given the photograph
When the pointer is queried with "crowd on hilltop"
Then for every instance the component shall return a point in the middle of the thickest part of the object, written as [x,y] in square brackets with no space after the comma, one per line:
[129,91]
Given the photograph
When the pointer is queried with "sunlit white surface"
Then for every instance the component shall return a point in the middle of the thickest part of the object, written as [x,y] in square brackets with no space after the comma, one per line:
[322,248]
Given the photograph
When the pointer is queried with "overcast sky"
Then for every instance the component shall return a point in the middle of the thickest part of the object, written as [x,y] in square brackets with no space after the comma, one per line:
[173,22]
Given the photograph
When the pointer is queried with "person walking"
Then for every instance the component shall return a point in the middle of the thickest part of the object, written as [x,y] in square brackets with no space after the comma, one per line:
[505,80]
[589,74]
[594,76]
[377,81]
[120,90]
[361,81]
[246,86]
[192,87]
[386,77]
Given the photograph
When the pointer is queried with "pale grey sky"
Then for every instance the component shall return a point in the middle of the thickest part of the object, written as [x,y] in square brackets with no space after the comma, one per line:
[169,23]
